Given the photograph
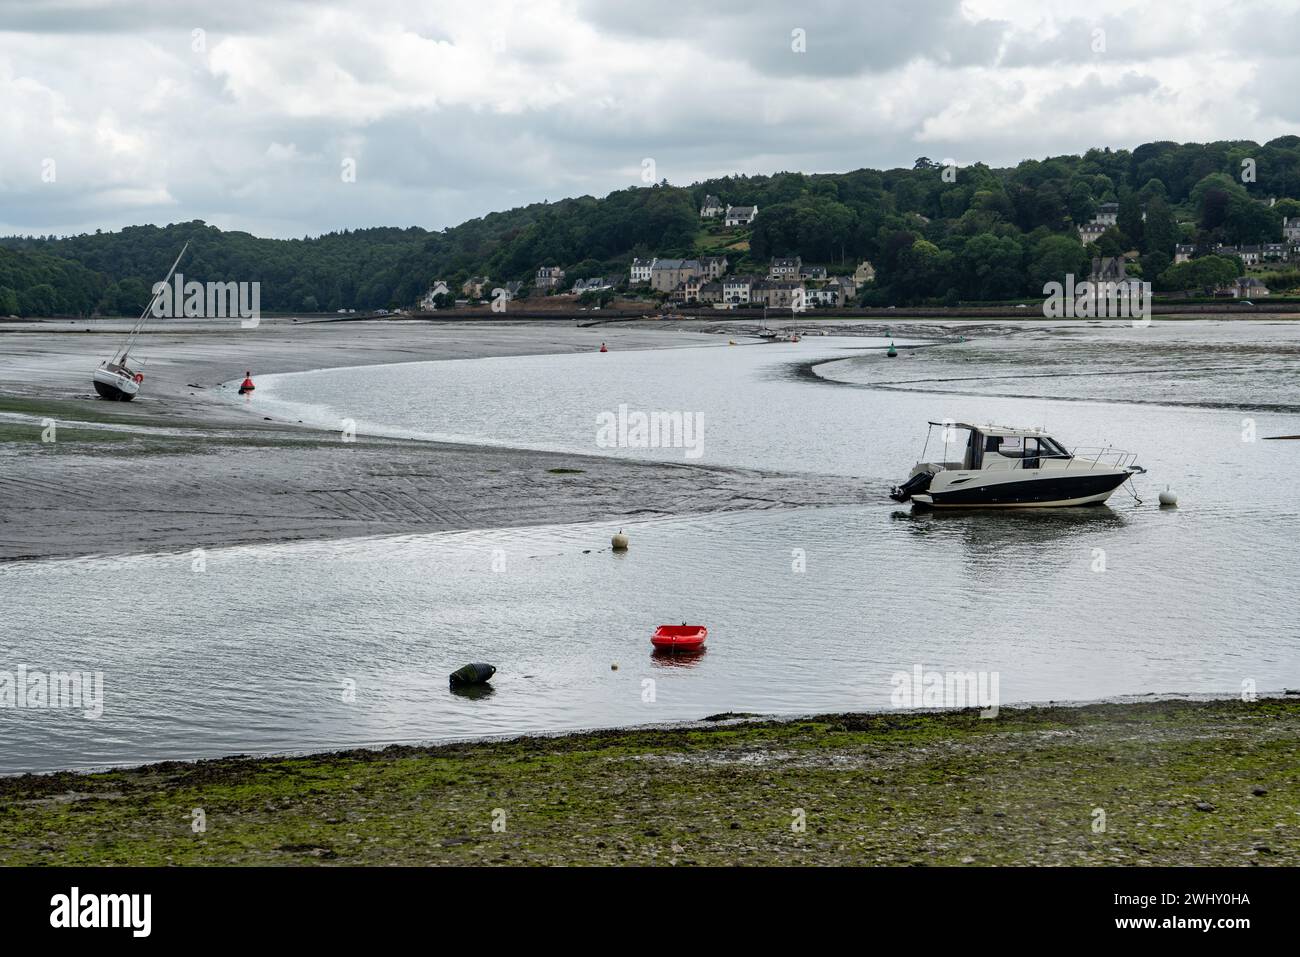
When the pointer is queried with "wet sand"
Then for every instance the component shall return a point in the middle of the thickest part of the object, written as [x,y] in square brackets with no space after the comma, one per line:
[182,467]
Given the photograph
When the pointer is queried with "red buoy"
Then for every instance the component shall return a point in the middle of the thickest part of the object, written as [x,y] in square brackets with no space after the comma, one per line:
[603,348]
[248,383]
[681,637]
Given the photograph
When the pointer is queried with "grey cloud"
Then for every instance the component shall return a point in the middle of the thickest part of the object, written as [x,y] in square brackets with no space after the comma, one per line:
[843,37]
[143,16]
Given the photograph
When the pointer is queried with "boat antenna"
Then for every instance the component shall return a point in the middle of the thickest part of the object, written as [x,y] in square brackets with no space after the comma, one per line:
[144,316]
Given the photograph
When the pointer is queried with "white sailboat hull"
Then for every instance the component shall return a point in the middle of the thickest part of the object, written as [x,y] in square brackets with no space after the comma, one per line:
[115,386]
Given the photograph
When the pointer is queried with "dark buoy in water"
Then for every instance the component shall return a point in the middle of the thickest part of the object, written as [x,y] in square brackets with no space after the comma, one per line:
[891,352]
[475,673]
[603,347]
[247,385]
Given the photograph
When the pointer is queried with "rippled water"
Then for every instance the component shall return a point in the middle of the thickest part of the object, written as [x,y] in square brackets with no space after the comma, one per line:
[255,653]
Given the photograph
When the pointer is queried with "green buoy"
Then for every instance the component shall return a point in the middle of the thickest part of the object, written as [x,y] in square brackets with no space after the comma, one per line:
[892,353]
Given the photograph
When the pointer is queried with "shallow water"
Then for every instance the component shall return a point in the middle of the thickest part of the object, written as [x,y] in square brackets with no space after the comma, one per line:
[257,651]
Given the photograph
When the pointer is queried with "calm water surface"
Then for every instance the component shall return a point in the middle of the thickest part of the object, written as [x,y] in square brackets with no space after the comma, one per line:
[256,652]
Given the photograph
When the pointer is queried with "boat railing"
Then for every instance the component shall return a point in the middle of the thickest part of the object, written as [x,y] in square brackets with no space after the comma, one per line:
[1098,457]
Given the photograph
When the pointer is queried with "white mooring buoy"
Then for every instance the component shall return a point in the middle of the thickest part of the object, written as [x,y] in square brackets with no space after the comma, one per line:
[1168,499]
[619,541]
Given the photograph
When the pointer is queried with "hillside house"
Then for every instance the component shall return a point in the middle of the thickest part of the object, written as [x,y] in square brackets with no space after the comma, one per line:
[439,288]
[712,208]
[549,278]
[1249,255]
[594,284]
[1184,252]
[1291,230]
[1107,215]
[714,266]
[473,286]
[785,268]
[865,273]
[711,292]
[845,287]
[812,273]
[1091,232]
[1108,269]
[740,215]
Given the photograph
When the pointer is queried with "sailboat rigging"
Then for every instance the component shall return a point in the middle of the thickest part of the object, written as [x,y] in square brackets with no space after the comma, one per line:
[115,379]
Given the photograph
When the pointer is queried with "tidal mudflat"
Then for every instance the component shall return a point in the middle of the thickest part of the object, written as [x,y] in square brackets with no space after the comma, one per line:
[1159,783]
[469,519]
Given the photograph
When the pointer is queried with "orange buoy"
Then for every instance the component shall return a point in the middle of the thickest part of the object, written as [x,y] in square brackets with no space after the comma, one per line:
[248,383]
[603,347]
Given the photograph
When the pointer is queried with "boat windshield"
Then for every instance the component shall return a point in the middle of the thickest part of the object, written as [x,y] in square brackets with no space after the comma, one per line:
[1024,447]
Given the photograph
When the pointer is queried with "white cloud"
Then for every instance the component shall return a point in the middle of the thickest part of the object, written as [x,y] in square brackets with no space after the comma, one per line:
[452,110]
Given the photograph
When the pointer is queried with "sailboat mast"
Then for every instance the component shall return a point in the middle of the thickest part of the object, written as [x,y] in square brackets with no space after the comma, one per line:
[120,359]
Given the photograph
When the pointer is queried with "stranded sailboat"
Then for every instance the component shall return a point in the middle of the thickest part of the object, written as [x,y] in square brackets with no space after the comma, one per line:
[115,379]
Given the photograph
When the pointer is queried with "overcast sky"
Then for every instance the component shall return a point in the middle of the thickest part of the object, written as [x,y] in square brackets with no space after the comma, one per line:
[246,114]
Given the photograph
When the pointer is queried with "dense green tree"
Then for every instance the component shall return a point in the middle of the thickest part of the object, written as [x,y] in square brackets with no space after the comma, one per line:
[1160,231]
[988,230]
[1203,275]
[1054,258]
[1129,220]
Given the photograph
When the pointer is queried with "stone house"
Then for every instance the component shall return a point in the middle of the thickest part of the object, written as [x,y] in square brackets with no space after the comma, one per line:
[667,274]
[549,278]
[844,287]
[1248,287]
[774,293]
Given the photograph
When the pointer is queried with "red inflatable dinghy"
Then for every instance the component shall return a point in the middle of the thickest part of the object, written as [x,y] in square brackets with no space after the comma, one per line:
[681,637]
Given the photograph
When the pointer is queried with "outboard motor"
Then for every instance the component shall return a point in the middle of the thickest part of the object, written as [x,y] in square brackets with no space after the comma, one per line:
[917,483]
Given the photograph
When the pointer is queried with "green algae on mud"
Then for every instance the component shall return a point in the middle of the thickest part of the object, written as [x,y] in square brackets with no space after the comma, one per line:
[1160,783]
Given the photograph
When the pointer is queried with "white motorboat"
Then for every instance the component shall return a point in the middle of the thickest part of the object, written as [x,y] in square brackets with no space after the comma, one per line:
[116,379]
[1004,467]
